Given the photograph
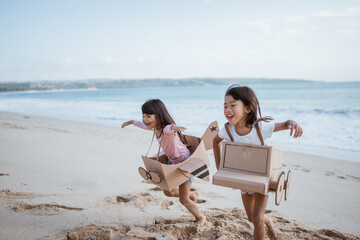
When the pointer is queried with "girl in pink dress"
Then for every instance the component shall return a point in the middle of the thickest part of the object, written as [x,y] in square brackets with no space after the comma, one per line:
[156,117]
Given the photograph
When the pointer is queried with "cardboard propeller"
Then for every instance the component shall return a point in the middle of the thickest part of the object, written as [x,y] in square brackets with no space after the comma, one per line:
[168,176]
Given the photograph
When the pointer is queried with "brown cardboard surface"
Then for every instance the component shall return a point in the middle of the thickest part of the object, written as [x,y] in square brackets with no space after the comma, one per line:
[196,165]
[248,167]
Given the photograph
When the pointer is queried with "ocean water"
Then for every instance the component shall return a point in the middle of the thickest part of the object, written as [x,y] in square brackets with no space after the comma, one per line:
[328,112]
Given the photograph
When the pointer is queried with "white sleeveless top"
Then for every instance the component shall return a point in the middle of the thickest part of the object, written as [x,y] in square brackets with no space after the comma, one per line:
[266,129]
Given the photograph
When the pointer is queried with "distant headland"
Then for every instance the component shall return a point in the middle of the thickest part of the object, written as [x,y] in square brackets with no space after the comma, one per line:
[132,83]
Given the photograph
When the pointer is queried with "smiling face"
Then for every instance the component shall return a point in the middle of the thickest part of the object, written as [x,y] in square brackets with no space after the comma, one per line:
[235,111]
[150,120]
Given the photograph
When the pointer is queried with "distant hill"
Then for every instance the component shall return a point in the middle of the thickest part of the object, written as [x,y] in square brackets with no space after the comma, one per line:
[127,83]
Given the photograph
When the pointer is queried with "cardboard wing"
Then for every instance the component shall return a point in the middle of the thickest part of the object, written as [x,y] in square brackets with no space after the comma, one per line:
[248,167]
[197,164]
[210,133]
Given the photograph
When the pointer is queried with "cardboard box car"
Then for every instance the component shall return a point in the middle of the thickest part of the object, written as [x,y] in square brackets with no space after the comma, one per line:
[248,167]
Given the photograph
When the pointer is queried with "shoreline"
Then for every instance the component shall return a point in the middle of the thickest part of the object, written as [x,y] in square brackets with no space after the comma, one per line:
[333,153]
[64,176]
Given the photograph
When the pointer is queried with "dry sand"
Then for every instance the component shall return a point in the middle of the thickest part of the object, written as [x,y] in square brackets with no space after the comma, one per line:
[68,180]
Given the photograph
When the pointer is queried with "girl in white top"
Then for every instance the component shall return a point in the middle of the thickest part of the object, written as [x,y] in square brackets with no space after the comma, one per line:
[241,109]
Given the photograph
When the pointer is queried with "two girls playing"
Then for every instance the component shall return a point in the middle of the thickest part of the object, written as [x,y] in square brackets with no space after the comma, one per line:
[241,108]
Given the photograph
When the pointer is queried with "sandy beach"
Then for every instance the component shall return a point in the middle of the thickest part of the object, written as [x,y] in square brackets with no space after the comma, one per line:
[71,180]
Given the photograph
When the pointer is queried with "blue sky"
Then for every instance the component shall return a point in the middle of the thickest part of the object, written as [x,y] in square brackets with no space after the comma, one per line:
[70,40]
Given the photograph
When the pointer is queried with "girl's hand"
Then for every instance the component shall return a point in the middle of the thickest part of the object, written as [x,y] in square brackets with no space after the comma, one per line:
[127,123]
[176,128]
[294,128]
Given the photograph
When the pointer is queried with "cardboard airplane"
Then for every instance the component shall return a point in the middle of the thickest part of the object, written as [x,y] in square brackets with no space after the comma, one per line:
[168,176]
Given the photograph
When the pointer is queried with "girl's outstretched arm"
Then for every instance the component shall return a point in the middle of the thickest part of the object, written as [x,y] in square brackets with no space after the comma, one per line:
[136,124]
[216,148]
[289,124]
[127,123]
[177,128]
[173,128]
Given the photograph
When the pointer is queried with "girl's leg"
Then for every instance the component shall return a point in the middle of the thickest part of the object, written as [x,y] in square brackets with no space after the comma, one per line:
[255,210]
[184,198]
[248,201]
[175,193]
[259,219]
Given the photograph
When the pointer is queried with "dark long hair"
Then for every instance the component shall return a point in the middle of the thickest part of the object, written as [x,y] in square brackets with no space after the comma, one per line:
[247,96]
[157,107]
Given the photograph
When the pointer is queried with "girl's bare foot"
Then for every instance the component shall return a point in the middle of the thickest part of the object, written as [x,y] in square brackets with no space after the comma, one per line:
[271,232]
[201,221]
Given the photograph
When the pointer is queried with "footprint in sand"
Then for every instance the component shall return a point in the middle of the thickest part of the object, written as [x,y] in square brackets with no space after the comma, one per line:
[354,178]
[7,194]
[341,177]
[121,199]
[142,200]
[280,220]
[156,189]
[44,209]
[329,173]
[201,201]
